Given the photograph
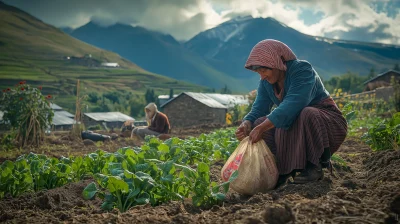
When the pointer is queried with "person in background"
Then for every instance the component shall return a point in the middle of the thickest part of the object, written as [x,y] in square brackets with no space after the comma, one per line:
[306,127]
[157,121]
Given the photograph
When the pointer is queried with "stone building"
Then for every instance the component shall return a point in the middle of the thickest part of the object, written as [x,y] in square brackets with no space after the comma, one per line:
[381,80]
[191,109]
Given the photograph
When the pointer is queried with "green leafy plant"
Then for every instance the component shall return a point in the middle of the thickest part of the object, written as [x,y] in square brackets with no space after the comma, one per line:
[155,173]
[385,134]
[15,178]
[28,113]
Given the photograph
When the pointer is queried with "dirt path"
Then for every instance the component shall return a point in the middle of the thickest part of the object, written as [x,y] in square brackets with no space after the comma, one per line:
[368,192]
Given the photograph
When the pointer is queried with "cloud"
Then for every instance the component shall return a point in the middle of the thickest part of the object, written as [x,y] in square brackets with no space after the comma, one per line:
[369,20]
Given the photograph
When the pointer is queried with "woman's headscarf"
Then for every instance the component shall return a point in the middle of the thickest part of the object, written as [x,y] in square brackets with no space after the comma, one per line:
[270,53]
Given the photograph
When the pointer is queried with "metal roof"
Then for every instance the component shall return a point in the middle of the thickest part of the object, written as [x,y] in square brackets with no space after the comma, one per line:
[202,98]
[166,96]
[60,119]
[382,74]
[55,106]
[65,113]
[109,116]
[228,99]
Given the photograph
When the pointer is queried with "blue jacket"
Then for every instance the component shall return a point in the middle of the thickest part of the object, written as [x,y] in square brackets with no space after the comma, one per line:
[303,87]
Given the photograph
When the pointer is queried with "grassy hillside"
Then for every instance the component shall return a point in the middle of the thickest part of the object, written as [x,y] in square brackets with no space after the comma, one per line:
[36,52]
[156,52]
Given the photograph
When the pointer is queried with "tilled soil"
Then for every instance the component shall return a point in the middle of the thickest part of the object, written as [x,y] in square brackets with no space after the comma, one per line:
[368,192]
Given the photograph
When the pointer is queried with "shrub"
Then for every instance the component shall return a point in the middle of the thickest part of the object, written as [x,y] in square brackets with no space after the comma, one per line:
[27,112]
[95,127]
[384,135]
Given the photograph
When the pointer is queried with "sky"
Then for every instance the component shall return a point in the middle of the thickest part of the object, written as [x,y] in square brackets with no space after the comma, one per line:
[360,20]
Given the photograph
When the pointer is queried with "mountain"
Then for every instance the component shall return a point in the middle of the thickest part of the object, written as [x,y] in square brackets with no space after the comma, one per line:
[227,46]
[67,29]
[46,56]
[217,56]
[155,52]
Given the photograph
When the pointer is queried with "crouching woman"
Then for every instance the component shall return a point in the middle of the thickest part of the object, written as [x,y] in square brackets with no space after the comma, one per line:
[306,127]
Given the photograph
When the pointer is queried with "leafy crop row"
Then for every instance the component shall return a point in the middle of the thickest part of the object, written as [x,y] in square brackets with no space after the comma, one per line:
[153,173]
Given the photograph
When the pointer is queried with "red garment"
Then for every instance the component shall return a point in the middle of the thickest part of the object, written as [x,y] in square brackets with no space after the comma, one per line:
[160,123]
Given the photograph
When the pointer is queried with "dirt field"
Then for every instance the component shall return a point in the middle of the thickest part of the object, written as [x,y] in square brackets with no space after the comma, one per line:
[366,192]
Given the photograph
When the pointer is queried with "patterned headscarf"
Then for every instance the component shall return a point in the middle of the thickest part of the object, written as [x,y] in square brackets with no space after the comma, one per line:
[270,53]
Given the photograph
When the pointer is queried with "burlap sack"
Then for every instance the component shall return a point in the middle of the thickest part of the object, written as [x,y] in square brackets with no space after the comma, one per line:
[256,167]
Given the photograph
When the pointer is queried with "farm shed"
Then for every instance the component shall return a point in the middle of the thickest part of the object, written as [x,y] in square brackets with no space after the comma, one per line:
[65,114]
[190,109]
[55,107]
[3,125]
[110,64]
[62,122]
[110,119]
[381,80]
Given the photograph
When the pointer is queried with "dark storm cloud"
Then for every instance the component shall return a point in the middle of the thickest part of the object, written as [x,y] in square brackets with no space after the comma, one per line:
[165,16]
[185,18]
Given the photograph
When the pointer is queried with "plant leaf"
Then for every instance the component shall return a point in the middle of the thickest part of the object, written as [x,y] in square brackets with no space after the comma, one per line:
[90,191]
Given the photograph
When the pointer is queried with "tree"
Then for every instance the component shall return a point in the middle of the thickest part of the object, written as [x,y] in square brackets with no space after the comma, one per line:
[113,97]
[136,106]
[150,96]
[396,67]
[372,73]
[348,82]
[28,113]
[93,97]
[225,90]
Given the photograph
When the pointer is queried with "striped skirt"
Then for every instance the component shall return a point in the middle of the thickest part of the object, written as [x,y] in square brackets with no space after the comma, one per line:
[318,127]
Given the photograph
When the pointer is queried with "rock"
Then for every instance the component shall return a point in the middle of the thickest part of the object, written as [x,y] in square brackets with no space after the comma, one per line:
[277,214]
[114,136]
[350,184]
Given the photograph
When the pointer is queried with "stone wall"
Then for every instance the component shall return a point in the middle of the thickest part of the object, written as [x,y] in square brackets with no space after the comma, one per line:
[384,93]
[184,111]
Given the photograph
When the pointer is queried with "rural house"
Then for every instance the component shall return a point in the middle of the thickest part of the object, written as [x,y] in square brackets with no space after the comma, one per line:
[110,119]
[381,80]
[62,119]
[55,107]
[61,122]
[110,64]
[3,125]
[190,109]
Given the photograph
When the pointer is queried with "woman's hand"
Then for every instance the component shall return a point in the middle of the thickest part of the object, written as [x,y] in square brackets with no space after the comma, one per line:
[243,130]
[256,134]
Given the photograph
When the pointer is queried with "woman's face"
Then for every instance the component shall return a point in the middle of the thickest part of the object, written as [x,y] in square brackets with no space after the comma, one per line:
[271,75]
